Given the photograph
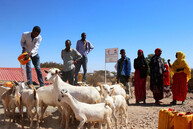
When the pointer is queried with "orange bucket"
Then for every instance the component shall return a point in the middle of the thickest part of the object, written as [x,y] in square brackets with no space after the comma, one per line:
[183,121]
[166,118]
[21,58]
[8,84]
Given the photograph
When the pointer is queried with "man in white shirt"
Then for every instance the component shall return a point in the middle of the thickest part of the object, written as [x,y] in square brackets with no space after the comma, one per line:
[30,42]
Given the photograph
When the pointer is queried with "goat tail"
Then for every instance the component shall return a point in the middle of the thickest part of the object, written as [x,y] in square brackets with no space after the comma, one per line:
[34,91]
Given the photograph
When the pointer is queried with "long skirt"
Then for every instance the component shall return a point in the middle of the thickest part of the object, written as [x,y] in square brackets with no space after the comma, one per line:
[179,87]
[140,87]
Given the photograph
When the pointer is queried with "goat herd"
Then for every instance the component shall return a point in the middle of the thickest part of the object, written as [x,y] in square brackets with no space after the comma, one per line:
[85,103]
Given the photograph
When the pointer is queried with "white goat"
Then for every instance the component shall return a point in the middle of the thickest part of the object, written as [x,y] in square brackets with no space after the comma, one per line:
[117,90]
[30,99]
[84,112]
[118,104]
[10,100]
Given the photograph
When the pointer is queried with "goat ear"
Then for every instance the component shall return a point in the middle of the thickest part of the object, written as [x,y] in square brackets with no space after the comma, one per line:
[45,71]
[57,72]
[66,91]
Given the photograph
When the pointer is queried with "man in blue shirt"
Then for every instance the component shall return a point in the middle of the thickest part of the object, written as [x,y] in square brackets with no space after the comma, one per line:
[83,47]
[124,70]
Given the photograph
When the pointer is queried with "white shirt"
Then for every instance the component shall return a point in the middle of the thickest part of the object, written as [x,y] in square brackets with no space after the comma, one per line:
[29,44]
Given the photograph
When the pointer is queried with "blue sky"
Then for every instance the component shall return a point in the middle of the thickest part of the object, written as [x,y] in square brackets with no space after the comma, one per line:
[128,24]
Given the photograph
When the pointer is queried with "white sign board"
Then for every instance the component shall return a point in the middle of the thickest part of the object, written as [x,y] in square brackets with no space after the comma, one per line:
[111,55]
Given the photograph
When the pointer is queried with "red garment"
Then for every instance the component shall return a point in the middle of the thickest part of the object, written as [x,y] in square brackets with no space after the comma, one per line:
[158,51]
[140,87]
[166,76]
[179,87]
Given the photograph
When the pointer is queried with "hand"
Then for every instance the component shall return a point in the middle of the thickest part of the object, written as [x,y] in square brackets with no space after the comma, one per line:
[23,50]
[74,62]
[27,56]
[168,61]
[118,80]
[128,79]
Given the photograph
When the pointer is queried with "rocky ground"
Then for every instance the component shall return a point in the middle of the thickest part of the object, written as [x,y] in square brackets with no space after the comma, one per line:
[142,116]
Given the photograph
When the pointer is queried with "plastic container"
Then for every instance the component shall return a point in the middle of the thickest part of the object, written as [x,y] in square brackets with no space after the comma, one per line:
[166,118]
[183,120]
[8,84]
[21,58]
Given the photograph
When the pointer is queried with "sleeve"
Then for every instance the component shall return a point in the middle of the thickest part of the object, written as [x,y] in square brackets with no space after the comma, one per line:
[62,54]
[78,55]
[22,40]
[118,64]
[37,43]
[77,45]
[90,47]
[135,64]
[129,68]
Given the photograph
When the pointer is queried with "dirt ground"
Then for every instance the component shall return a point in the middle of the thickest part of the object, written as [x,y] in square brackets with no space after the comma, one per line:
[142,116]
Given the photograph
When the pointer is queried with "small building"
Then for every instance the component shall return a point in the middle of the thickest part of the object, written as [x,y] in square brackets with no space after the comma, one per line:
[17,74]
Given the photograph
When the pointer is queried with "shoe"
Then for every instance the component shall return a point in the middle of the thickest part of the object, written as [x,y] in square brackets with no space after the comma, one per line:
[183,102]
[137,103]
[173,102]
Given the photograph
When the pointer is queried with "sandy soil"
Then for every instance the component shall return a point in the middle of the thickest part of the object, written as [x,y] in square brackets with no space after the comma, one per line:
[142,116]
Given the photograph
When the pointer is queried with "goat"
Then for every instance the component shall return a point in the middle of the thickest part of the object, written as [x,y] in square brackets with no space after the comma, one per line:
[84,112]
[117,103]
[10,100]
[30,99]
[118,90]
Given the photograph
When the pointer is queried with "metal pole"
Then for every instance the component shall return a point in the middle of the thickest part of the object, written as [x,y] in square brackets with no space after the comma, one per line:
[105,73]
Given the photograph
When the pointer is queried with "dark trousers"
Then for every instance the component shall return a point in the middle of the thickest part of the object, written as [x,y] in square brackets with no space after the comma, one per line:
[83,61]
[123,80]
[36,62]
[68,76]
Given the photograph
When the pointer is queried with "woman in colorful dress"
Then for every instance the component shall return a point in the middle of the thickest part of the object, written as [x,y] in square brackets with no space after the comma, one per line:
[182,74]
[141,68]
[156,76]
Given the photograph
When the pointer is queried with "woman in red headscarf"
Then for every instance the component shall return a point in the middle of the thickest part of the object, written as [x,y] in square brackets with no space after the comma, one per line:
[141,68]
[156,76]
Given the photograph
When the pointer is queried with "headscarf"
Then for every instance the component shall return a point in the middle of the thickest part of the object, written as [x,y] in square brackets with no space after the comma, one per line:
[139,62]
[140,50]
[157,51]
[181,63]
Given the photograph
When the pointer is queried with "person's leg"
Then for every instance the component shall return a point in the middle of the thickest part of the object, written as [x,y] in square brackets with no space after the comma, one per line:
[123,80]
[36,63]
[71,77]
[77,69]
[84,64]
[64,76]
[28,72]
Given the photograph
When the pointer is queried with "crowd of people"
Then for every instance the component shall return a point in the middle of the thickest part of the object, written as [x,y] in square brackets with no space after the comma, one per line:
[73,59]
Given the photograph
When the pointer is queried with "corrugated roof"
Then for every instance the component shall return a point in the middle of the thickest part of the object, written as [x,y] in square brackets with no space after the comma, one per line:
[16,74]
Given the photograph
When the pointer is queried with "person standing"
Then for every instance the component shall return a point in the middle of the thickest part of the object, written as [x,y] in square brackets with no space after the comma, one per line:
[83,46]
[182,74]
[166,81]
[141,68]
[30,42]
[124,70]
[156,76]
[70,57]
